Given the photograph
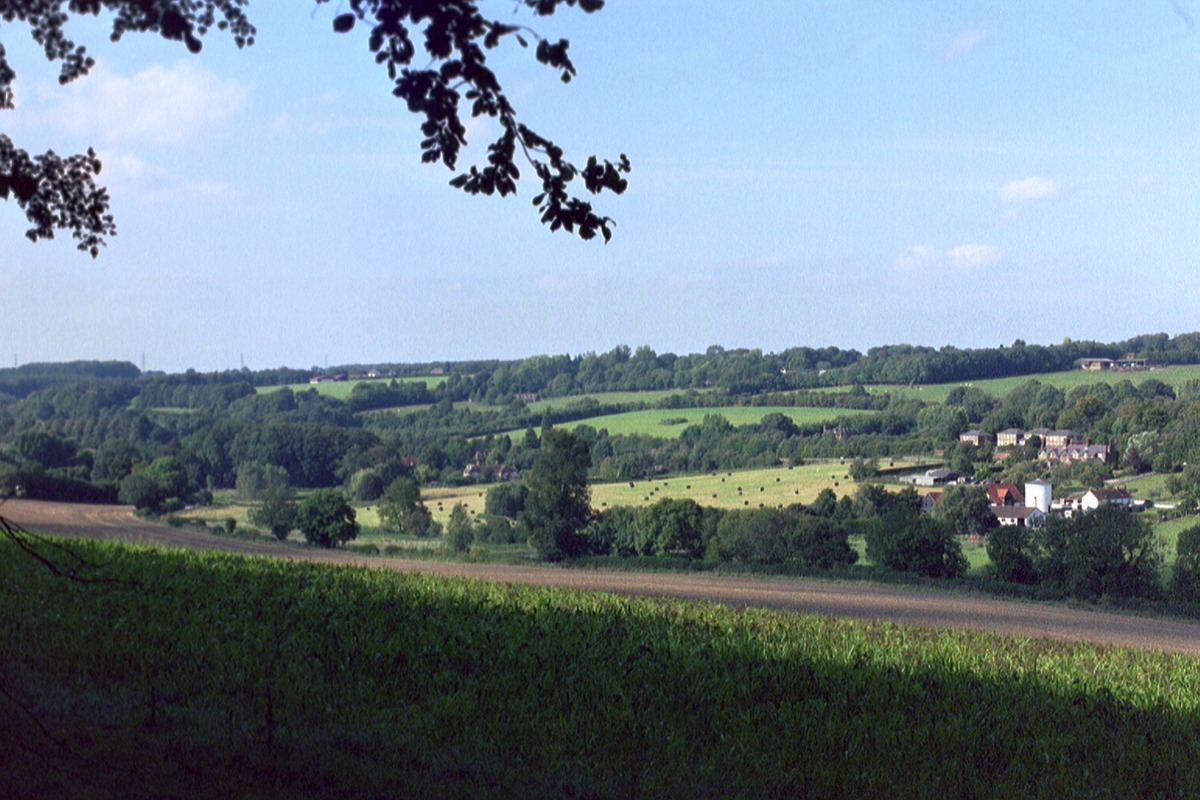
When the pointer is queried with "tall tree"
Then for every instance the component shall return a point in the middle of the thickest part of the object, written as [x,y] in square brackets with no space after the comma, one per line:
[558,506]
[61,194]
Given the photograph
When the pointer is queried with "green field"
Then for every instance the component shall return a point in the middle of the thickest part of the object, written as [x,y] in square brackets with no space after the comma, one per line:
[341,389]
[937,392]
[668,423]
[649,397]
[206,675]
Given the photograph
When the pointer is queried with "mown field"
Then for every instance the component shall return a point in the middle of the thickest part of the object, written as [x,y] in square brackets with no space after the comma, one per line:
[1174,376]
[747,488]
[203,675]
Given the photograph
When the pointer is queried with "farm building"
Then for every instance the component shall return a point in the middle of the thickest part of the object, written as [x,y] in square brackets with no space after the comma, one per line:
[931,477]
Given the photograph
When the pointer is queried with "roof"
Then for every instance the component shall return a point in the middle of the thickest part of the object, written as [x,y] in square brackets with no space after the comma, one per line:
[1111,493]
[996,492]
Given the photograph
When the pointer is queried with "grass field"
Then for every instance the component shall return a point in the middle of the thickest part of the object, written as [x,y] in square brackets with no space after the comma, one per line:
[1174,376]
[668,423]
[204,675]
[649,397]
[341,389]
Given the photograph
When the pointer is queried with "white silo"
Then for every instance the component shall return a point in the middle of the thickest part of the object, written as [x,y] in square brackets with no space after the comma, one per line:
[1037,495]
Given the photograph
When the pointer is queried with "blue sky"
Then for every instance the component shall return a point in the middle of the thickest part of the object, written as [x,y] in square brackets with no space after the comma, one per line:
[804,173]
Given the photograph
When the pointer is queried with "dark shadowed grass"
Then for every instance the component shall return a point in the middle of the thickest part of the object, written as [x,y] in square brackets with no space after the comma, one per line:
[217,675]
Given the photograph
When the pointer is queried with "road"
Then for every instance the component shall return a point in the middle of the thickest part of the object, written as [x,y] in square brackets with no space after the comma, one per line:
[909,605]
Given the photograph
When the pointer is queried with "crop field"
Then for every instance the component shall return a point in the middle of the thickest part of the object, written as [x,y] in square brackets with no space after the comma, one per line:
[668,423]
[210,675]
[1175,376]
[341,389]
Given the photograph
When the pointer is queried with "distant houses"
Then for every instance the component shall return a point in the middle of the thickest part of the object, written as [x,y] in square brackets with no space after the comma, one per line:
[1031,506]
[1057,446]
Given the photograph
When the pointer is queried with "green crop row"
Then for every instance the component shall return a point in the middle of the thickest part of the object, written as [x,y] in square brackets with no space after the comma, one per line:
[202,674]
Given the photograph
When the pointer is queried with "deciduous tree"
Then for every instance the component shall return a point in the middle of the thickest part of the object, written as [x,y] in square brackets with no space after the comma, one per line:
[458,530]
[326,519]
[276,512]
[558,507]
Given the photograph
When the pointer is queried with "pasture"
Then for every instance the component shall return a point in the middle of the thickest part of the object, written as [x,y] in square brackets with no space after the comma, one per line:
[211,675]
[342,389]
[1174,376]
[648,397]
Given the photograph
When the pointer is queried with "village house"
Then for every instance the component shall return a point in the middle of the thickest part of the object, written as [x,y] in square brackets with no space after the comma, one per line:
[1004,494]
[499,472]
[1076,454]
[1113,495]
[1060,438]
[1010,437]
[977,438]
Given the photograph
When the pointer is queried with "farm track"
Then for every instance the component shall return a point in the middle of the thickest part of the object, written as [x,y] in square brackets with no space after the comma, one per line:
[912,606]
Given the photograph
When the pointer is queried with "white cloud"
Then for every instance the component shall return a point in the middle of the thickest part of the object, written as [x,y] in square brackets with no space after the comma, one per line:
[972,256]
[965,42]
[963,258]
[131,176]
[922,256]
[1026,189]
[160,105]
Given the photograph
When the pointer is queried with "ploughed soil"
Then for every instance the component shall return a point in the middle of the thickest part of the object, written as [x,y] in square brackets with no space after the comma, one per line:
[911,605]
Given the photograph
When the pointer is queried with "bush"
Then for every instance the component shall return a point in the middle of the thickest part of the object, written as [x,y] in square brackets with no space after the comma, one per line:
[908,541]
[1010,549]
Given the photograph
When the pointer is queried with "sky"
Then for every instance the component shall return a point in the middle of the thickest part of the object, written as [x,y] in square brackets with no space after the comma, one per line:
[805,173]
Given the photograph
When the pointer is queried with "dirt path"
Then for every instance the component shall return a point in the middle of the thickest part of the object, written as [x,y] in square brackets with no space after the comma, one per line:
[914,606]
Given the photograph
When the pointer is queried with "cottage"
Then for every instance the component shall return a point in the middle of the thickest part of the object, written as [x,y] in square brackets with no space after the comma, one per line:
[1117,496]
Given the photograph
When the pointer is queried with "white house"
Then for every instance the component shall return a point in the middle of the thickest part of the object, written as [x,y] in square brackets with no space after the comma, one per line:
[1117,496]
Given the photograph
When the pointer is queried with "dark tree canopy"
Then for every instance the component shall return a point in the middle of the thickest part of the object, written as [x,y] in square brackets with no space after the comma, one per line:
[61,194]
